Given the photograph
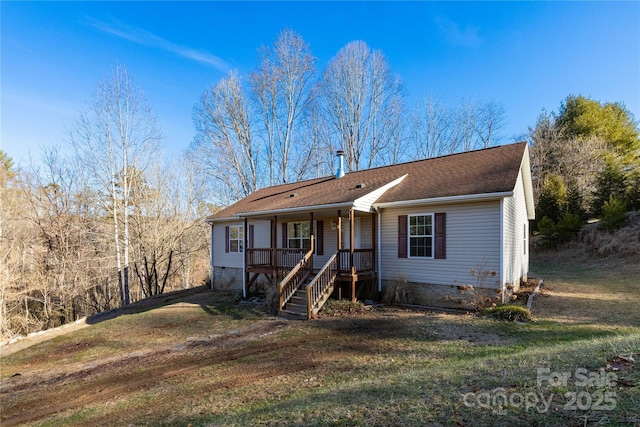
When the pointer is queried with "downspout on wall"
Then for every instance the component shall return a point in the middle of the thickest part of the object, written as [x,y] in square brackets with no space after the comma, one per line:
[503,272]
[211,269]
[379,248]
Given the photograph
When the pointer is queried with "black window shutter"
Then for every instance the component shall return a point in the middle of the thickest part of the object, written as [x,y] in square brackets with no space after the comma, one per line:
[226,239]
[320,238]
[402,236]
[250,243]
[441,236]
[285,238]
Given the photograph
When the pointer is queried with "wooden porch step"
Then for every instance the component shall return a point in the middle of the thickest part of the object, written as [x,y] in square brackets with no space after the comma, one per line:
[298,300]
[293,315]
[296,308]
[302,308]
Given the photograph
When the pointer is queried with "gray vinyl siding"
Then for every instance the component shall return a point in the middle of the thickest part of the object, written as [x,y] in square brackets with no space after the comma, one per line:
[516,260]
[221,258]
[472,243]
[366,232]
[261,233]
[330,242]
[262,239]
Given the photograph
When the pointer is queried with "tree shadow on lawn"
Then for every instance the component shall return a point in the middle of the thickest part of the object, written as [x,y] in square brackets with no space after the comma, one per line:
[413,399]
[445,335]
[221,301]
[569,304]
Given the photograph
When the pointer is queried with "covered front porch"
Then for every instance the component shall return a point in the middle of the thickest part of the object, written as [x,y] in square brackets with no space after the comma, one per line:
[324,251]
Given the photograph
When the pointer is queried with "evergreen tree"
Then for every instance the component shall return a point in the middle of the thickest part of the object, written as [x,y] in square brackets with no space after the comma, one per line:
[610,182]
[552,202]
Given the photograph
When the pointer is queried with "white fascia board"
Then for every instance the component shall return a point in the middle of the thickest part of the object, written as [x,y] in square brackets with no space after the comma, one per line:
[525,170]
[365,202]
[229,219]
[449,199]
[284,211]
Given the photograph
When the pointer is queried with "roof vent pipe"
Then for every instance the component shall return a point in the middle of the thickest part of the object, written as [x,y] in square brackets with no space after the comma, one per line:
[340,171]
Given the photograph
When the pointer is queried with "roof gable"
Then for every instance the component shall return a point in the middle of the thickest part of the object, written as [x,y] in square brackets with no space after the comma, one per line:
[491,170]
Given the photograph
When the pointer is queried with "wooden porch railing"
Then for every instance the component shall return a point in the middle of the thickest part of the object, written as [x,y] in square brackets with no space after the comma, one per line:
[321,286]
[292,281]
[362,260]
[265,259]
[259,257]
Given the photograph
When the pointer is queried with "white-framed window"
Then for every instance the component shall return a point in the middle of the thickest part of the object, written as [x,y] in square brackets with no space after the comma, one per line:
[299,235]
[421,236]
[236,238]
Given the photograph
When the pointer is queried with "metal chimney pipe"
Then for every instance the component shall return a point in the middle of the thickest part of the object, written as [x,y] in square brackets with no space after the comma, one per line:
[340,171]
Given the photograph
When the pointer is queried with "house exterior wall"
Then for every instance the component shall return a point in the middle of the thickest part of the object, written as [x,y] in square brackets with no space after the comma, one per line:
[330,236]
[473,243]
[227,266]
[516,237]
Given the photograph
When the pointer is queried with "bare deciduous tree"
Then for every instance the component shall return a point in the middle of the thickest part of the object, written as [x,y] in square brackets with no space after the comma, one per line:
[360,96]
[167,230]
[577,160]
[223,143]
[438,129]
[117,134]
[282,87]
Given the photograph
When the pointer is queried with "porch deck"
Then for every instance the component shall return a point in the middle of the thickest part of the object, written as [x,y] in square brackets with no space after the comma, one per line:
[356,264]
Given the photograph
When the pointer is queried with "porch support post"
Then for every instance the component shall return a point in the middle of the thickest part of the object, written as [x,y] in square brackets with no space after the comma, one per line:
[245,234]
[339,228]
[352,241]
[313,238]
[374,237]
[274,249]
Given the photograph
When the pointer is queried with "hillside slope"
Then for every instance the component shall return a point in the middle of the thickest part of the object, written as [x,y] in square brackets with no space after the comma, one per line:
[203,359]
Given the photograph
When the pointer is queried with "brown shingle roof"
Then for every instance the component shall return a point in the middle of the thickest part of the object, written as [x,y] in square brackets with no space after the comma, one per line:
[491,170]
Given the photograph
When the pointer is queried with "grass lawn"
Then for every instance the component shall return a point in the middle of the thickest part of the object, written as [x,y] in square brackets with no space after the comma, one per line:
[205,361]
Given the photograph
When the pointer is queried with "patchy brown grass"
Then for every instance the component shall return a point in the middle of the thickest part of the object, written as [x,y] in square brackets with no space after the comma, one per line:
[201,359]
[578,289]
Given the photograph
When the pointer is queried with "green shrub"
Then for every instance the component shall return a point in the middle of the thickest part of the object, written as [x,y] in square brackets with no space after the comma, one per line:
[610,182]
[614,214]
[632,195]
[552,202]
[511,313]
[568,227]
[564,231]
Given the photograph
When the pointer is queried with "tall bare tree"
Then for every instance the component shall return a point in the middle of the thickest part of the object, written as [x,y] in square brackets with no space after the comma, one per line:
[282,87]
[223,143]
[166,227]
[438,129]
[360,95]
[491,117]
[117,134]
[430,128]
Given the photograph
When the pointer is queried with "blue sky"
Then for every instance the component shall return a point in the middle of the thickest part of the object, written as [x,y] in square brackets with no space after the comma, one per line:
[525,55]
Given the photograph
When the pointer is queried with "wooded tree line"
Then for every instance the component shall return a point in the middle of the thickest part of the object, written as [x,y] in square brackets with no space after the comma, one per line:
[586,163]
[285,120]
[109,224]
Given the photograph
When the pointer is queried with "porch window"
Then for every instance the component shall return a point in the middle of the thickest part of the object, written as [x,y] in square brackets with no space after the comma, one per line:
[421,236]
[236,238]
[299,235]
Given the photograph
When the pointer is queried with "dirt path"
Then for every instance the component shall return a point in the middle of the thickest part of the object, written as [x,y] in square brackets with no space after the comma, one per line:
[39,396]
